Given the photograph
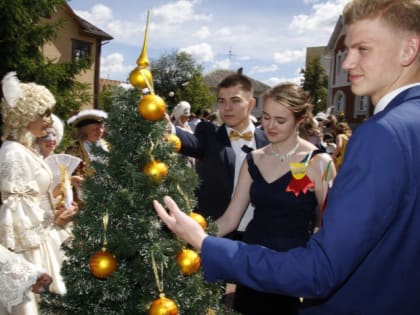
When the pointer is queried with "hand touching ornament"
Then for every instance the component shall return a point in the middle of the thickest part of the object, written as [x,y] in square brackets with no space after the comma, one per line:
[180,223]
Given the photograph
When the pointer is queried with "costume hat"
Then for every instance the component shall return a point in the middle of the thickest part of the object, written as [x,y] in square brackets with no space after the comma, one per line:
[86,117]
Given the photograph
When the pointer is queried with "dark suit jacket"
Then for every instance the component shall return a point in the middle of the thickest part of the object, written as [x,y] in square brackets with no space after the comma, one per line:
[366,257]
[215,165]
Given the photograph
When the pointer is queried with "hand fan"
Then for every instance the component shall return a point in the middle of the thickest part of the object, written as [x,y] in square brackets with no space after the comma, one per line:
[62,166]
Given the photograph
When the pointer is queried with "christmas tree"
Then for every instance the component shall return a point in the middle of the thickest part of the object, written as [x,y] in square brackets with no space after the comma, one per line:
[122,259]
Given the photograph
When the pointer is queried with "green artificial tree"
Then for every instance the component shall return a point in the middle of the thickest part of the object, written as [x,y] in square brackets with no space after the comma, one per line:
[145,250]
[117,223]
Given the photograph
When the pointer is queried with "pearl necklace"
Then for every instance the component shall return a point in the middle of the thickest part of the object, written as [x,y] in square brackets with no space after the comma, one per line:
[284,157]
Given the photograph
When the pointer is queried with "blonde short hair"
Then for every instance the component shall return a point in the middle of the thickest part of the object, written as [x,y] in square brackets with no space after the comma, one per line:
[400,14]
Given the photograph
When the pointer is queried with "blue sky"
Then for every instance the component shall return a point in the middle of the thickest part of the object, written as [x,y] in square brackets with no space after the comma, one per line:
[266,37]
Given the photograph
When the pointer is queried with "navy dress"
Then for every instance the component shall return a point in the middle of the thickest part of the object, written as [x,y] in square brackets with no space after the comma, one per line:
[281,221]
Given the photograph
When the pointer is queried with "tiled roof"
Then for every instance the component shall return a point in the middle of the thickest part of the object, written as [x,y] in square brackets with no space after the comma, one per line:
[213,78]
[88,27]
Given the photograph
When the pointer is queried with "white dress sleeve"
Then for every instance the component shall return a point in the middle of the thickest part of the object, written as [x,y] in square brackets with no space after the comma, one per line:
[21,218]
[16,277]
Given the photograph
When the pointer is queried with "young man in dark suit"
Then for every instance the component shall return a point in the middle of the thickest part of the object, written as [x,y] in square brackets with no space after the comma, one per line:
[220,150]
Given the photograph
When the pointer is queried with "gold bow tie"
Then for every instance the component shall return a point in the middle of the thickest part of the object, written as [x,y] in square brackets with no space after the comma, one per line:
[234,135]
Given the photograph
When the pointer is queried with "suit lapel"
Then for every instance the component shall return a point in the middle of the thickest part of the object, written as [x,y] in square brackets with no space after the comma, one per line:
[229,154]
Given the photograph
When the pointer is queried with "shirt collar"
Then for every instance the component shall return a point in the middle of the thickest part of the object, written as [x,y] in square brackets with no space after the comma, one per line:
[386,99]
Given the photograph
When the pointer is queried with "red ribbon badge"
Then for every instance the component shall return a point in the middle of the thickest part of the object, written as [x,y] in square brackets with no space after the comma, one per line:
[299,185]
[300,182]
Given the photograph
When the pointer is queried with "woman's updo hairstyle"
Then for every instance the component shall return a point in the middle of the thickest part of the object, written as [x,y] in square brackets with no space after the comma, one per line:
[293,97]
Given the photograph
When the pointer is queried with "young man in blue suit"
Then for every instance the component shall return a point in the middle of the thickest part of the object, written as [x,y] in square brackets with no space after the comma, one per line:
[219,153]
[365,258]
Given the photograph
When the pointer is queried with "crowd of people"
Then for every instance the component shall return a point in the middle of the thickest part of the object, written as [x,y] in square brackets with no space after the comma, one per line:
[307,222]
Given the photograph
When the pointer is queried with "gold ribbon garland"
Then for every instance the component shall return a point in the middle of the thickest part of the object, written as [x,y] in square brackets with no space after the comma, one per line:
[159,284]
[105,221]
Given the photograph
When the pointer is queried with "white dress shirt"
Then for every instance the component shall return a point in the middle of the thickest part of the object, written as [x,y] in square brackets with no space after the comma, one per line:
[386,99]
[239,158]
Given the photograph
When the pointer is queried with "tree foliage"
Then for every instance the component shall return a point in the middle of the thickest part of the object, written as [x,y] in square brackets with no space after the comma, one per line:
[23,31]
[180,74]
[315,82]
[197,93]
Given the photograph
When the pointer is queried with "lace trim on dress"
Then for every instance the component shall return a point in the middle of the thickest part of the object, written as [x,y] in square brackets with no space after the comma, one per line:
[16,277]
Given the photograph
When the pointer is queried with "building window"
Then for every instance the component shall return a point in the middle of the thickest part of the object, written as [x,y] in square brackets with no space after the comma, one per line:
[80,50]
[339,102]
[340,74]
[362,105]
[338,62]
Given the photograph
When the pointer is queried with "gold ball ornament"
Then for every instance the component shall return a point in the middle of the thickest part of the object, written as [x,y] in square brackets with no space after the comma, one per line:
[139,77]
[199,219]
[211,311]
[174,140]
[189,261]
[156,169]
[152,107]
[103,264]
[163,306]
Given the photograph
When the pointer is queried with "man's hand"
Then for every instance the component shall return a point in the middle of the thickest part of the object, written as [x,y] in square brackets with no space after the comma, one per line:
[180,223]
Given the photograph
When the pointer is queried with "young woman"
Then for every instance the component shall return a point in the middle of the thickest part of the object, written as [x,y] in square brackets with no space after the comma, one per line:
[287,182]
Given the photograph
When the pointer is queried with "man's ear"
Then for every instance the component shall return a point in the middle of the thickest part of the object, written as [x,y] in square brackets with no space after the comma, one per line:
[252,103]
[411,50]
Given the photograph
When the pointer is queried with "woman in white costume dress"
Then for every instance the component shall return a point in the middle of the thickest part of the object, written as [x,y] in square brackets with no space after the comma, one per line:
[29,223]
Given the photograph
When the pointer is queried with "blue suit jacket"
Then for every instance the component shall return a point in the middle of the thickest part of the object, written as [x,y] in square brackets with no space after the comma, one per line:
[366,257]
[215,165]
